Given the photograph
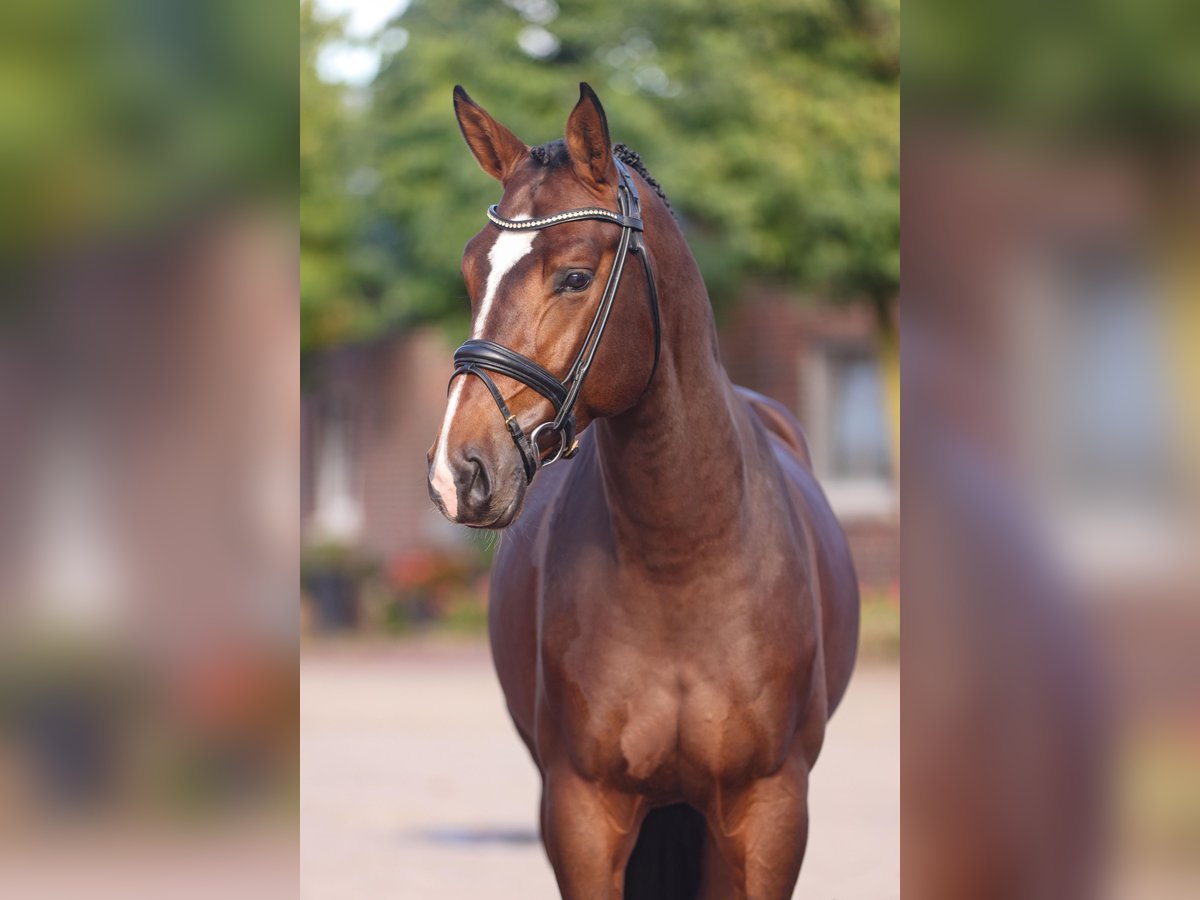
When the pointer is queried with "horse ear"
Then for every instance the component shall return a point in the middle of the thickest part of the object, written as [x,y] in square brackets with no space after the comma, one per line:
[588,143]
[496,148]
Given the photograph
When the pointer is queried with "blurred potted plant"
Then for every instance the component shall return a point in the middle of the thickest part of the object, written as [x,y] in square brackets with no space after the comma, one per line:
[426,580]
[331,574]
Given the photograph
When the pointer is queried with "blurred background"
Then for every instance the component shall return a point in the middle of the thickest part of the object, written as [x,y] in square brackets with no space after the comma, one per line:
[774,130]
[149,410]
[1051,322]
[149,516]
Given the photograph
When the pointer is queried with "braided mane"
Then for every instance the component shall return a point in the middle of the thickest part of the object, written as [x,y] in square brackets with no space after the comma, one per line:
[555,153]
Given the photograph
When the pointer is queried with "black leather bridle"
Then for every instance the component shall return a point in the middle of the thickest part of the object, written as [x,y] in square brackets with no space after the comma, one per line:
[478,357]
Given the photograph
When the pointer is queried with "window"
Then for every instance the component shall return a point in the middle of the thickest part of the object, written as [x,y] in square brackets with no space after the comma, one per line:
[848,429]
[338,516]
[859,445]
[1094,410]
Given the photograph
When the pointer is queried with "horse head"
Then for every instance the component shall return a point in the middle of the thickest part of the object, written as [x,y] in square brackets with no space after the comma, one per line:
[544,278]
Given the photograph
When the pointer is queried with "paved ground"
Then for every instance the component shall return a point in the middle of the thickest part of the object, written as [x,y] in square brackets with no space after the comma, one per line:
[414,785]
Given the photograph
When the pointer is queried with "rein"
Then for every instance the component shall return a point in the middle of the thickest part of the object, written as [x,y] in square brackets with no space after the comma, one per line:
[478,357]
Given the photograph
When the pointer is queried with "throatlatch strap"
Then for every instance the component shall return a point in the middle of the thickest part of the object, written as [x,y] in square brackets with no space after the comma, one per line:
[652,296]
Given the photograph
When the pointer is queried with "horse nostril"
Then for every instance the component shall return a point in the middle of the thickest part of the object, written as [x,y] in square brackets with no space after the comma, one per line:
[479,490]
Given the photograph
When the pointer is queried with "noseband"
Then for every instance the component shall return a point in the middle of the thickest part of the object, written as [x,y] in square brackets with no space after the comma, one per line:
[478,357]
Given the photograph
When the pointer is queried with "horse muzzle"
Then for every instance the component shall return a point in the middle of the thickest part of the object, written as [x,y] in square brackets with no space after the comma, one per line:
[468,489]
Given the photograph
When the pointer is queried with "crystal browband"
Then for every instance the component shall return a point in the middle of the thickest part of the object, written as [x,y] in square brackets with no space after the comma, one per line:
[546,221]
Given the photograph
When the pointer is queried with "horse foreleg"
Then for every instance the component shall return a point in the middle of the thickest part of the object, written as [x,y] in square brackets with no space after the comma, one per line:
[760,832]
[589,833]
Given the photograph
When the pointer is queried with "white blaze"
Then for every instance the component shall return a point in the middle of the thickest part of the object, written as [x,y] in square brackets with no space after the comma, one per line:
[509,249]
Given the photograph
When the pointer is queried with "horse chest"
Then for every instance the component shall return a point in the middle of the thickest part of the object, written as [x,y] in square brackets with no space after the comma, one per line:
[668,689]
[665,722]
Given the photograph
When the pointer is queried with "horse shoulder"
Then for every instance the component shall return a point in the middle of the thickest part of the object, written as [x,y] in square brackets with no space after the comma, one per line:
[518,579]
[835,581]
[512,606]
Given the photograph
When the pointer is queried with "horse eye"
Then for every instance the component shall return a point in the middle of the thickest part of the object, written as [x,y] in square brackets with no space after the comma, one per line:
[576,281]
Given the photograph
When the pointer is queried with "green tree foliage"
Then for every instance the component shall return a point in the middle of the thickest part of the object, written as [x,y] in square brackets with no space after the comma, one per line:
[1101,70]
[120,117]
[330,298]
[773,125]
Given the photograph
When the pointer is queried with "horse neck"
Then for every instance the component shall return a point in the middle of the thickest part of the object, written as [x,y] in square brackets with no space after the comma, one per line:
[673,465]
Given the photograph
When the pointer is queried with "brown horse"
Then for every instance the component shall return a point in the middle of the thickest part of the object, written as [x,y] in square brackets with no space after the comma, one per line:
[674,616]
